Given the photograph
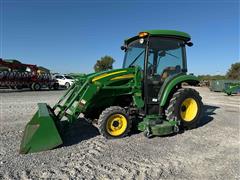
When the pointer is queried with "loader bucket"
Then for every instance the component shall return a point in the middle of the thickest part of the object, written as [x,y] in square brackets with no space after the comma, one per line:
[41,133]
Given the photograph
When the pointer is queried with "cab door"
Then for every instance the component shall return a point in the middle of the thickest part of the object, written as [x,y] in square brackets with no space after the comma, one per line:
[165,59]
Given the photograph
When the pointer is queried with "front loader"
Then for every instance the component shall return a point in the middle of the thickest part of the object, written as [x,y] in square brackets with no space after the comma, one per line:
[147,93]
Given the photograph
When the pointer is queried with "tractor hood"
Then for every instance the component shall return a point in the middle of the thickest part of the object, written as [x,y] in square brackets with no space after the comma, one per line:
[112,76]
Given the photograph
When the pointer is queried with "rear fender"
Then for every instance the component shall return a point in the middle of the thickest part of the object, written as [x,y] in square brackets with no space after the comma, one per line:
[170,84]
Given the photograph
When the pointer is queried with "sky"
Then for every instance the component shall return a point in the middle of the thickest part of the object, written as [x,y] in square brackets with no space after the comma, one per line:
[70,36]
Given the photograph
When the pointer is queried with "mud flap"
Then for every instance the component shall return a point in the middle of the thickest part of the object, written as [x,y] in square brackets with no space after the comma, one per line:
[41,133]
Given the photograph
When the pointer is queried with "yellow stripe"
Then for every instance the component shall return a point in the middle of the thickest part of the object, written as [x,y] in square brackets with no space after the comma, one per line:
[127,76]
[106,75]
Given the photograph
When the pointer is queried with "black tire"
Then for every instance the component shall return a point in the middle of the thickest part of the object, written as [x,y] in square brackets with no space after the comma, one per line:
[107,116]
[36,86]
[55,86]
[177,108]
[67,85]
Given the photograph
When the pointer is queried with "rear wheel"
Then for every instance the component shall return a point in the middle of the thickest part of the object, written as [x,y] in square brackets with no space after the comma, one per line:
[186,106]
[36,86]
[114,122]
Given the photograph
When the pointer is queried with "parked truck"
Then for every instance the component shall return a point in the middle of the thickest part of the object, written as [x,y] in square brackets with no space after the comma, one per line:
[16,75]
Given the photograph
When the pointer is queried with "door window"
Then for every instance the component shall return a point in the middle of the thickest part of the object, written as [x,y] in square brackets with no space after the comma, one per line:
[165,57]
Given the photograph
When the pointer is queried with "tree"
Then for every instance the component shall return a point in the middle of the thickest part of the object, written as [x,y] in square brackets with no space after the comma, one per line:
[234,71]
[104,63]
[211,77]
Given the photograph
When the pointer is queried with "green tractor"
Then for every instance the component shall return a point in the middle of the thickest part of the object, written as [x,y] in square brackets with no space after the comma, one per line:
[147,92]
[232,88]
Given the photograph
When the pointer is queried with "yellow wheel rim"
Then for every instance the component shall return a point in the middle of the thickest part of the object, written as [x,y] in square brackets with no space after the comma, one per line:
[189,109]
[116,124]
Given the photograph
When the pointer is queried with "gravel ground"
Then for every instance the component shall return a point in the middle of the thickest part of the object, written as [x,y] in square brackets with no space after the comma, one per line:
[208,152]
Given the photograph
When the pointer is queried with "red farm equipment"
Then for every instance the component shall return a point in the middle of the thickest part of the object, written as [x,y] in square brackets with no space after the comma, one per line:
[16,75]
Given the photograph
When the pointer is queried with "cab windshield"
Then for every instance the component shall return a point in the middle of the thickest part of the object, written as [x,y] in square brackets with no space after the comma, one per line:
[135,54]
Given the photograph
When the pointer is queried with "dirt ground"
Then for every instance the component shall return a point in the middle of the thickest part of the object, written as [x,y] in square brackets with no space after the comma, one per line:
[212,151]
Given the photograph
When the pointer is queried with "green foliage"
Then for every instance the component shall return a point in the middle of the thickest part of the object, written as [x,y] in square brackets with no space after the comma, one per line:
[105,63]
[76,75]
[211,77]
[234,71]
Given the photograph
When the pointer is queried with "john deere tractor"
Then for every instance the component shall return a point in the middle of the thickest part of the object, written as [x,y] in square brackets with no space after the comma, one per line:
[147,92]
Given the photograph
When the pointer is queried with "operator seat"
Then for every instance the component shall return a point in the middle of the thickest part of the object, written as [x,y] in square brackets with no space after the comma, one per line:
[170,71]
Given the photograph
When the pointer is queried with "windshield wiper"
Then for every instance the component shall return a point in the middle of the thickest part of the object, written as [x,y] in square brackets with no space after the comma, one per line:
[136,58]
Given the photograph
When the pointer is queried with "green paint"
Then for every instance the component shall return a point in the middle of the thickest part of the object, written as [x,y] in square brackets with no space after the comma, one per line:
[169,33]
[157,126]
[41,132]
[166,128]
[95,92]
[232,88]
[169,85]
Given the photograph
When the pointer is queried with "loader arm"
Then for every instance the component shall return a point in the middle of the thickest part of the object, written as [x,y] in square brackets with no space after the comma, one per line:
[81,95]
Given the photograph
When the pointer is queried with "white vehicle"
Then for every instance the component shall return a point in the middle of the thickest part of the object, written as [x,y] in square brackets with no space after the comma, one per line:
[64,80]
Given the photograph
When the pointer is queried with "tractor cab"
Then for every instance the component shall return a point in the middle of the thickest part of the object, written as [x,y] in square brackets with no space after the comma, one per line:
[161,55]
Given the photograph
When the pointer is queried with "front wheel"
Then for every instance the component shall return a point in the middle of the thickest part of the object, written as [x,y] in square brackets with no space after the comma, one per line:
[114,122]
[185,105]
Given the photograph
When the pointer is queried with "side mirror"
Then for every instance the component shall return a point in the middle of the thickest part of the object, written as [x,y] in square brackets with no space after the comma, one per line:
[190,44]
[124,48]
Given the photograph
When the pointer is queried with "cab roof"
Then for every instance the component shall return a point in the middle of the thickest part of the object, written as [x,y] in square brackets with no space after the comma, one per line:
[164,33]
